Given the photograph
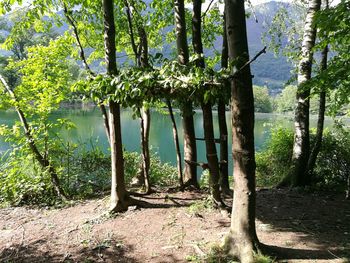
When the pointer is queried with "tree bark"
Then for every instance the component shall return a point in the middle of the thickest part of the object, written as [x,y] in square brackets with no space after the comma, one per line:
[177,145]
[224,182]
[301,147]
[190,147]
[320,122]
[242,241]
[119,195]
[43,160]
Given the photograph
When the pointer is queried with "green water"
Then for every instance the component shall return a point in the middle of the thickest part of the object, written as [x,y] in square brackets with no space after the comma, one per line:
[90,129]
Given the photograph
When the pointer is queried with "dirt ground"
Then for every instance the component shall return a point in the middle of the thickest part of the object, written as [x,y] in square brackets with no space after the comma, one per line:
[297,226]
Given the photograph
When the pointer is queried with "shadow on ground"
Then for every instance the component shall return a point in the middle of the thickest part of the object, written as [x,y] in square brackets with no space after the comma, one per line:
[35,253]
[322,221]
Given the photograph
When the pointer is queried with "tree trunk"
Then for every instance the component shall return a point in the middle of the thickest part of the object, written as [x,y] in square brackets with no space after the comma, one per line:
[145,114]
[190,147]
[242,240]
[224,183]
[145,129]
[320,122]
[41,159]
[119,195]
[301,148]
[212,158]
[177,145]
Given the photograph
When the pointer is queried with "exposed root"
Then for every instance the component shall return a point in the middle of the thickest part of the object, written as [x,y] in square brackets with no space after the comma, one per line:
[242,250]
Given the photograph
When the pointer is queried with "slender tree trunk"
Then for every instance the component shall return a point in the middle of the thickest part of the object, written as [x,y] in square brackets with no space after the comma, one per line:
[212,158]
[85,63]
[320,122]
[145,129]
[301,148]
[43,160]
[119,195]
[141,59]
[105,119]
[177,145]
[242,241]
[190,147]
[145,113]
[224,183]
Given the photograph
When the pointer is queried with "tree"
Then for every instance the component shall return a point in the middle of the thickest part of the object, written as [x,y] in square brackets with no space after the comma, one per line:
[190,146]
[301,149]
[242,240]
[285,102]
[262,100]
[119,195]
[224,183]
[44,81]
[141,59]
[321,114]
[209,138]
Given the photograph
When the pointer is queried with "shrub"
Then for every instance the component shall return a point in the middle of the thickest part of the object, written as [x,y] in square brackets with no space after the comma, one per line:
[23,181]
[273,162]
[332,166]
[84,171]
[333,163]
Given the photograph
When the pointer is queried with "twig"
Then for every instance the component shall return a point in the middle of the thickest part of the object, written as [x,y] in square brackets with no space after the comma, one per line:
[206,11]
[253,11]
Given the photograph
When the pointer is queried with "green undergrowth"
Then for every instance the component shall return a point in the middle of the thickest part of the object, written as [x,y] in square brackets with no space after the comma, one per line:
[201,206]
[332,166]
[84,172]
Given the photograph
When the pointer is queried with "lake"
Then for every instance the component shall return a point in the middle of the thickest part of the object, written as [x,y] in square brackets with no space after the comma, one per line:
[90,128]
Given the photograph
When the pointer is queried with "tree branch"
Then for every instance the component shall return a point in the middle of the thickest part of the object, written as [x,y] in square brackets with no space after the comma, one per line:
[206,11]
[71,21]
[248,63]
[131,31]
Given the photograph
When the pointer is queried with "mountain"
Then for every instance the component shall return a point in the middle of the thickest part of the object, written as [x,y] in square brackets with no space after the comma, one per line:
[268,69]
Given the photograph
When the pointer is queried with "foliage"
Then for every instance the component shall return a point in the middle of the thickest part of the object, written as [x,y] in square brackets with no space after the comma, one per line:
[84,172]
[201,206]
[332,165]
[22,181]
[134,86]
[162,174]
[334,30]
[271,163]
[262,100]
[286,102]
[286,30]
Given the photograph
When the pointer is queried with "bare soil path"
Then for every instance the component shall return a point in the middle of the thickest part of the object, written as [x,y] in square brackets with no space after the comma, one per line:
[298,227]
